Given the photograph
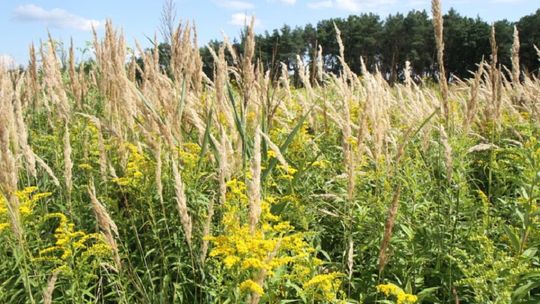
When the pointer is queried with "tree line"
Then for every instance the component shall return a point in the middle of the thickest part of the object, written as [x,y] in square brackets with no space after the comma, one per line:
[386,44]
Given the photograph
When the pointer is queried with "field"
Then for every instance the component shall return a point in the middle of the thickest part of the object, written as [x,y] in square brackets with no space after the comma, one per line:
[124,183]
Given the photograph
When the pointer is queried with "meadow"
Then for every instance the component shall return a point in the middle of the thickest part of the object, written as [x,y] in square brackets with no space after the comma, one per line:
[130,183]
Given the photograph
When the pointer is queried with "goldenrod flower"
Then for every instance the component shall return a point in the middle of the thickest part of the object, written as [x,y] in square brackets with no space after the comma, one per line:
[324,286]
[393,290]
[249,285]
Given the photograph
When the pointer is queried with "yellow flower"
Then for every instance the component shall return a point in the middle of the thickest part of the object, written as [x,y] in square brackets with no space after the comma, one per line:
[85,166]
[393,290]
[253,263]
[230,261]
[273,246]
[27,201]
[249,285]
[271,154]
[25,211]
[134,170]
[72,246]
[324,286]
[320,164]
[283,227]
[4,226]
[100,249]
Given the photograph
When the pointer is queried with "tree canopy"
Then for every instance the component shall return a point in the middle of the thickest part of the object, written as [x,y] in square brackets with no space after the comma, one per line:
[386,44]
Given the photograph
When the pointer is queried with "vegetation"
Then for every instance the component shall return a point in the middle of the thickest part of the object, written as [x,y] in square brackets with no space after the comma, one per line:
[163,184]
[386,43]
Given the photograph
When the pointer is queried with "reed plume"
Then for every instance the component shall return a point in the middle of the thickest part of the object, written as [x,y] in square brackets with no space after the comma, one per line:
[181,201]
[439,42]
[106,224]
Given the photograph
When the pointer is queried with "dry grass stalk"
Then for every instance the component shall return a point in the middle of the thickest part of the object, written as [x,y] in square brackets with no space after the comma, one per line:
[8,159]
[73,76]
[320,65]
[47,169]
[22,133]
[52,78]
[471,106]
[33,74]
[350,257]
[222,179]
[448,159]
[438,27]
[248,76]
[230,49]
[493,109]
[388,227]
[220,79]
[196,66]
[181,201]
[347,73]
[48,291]
[206,230]
[106,224]
[303,72]
[254,184]
[113,81]
[285,82]
[68,164]
[276,150]
[515,58]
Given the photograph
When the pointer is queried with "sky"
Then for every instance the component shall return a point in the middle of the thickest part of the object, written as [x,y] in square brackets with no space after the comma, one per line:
[25,21]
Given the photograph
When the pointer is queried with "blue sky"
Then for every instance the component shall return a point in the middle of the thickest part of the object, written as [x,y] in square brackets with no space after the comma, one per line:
[26,21]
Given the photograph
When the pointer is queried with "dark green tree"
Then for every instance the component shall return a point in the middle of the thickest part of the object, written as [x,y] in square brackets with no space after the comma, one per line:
[529,35]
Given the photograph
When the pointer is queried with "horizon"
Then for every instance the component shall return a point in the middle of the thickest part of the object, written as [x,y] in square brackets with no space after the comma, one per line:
[23,23]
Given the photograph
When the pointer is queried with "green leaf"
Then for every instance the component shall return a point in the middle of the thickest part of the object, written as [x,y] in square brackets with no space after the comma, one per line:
[285,145]
[206,139]
[514,239]
[530,252]
[240,125]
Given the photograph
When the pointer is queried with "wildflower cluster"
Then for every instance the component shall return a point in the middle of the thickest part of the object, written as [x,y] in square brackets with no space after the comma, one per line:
[73,248]
[92,153]
[189,155]
[324,286]
[28,199]
[134,170]
[27,202]
[3,214]
[273,245]
[393,290]
[286,173]
[251,286]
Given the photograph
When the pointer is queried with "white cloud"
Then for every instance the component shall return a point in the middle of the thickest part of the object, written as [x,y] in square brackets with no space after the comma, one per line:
[356,6]
[55,17]
[242,19]
[288,2]
[418,2]
[320,4]
[353,6]
[235,4]
[7,62]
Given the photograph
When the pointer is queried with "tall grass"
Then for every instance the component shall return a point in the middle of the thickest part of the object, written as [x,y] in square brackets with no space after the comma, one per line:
[129,183]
